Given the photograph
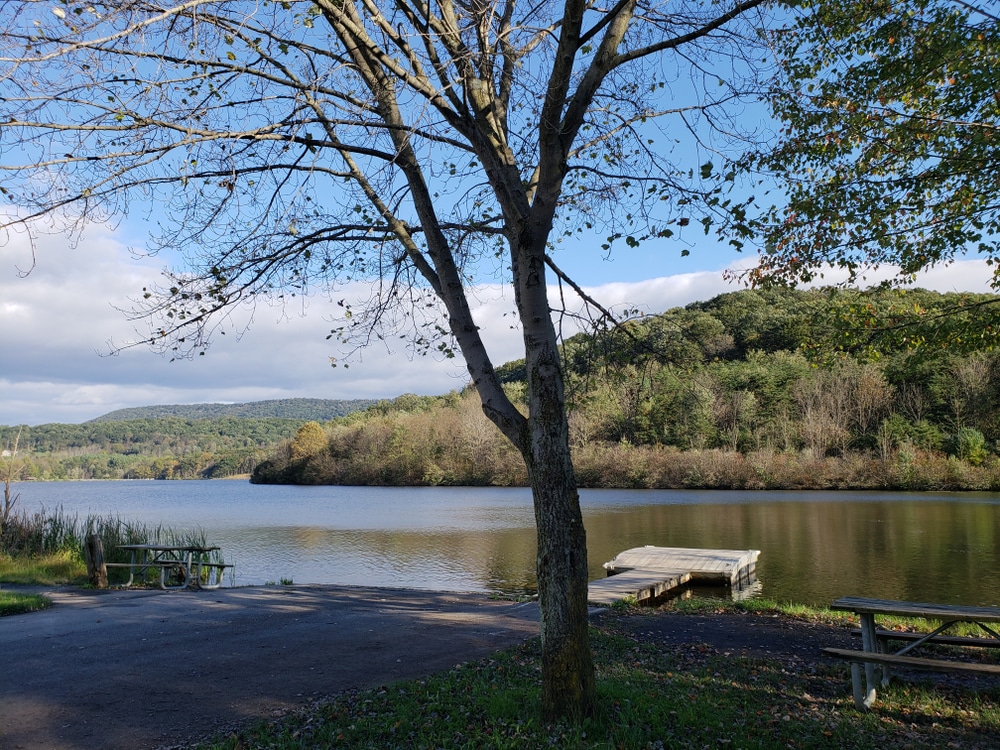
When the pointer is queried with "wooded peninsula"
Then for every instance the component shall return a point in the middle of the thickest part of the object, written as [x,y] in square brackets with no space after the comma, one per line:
[196,441]
[755,389]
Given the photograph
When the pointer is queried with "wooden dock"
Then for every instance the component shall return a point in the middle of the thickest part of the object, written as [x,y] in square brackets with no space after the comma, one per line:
[646,573]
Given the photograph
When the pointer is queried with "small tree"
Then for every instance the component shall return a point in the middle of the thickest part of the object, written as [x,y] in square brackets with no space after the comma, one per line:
[409,146]
[736,412]
[11,469]
[823,415]
[969,388]
[308,441]
[970,445]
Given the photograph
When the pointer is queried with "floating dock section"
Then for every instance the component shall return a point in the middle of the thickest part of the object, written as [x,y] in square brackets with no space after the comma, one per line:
[646,573]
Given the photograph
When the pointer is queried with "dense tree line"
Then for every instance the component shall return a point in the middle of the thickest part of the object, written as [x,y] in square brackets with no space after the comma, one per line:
[192,441]
[164,448]
[286,408]
[825,371]
[773,387]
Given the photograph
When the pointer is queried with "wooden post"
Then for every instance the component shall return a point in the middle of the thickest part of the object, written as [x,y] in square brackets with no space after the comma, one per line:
[96,570]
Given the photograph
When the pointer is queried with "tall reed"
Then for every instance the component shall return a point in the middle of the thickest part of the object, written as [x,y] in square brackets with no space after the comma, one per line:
[40,533]
[46,532]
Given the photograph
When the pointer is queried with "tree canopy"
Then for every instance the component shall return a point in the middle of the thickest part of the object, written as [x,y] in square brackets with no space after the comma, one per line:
[889,143]
[297,145]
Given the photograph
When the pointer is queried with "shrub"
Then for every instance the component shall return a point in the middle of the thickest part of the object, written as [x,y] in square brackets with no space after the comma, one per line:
[969,445]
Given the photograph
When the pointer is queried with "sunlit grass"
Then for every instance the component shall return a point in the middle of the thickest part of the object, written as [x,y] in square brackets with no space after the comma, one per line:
[63,567]
[15,603]
[812,614]
[760,605]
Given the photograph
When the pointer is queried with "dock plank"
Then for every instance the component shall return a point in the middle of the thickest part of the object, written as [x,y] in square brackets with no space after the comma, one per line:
[704,564]
[640,584]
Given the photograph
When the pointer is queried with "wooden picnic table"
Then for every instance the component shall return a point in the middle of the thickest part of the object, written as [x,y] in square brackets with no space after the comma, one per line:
[876,648]
[179,566]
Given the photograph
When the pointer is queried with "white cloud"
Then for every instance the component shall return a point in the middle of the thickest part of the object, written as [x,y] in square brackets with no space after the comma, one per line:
[56,322]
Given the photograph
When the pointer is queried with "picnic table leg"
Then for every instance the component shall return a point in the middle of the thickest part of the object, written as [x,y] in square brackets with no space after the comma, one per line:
[182,571]
[195,566]
[131,569]
[168,565]
[869,642]
[856,687]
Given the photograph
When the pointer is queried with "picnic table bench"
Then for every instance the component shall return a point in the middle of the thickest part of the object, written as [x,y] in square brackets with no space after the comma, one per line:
[178,566]
[876,643]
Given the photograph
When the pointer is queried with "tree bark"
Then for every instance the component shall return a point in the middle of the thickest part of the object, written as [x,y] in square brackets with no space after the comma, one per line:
[568,684]
[96,570]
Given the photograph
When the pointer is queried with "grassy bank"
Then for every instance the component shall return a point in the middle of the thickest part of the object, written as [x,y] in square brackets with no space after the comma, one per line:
[12,603]
[45,569]
[652,696]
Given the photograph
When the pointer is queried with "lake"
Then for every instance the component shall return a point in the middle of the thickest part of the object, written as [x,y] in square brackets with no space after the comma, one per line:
[815,546]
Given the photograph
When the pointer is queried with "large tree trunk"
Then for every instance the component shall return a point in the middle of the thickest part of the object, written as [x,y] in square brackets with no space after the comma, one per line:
[568,689]
[567,666]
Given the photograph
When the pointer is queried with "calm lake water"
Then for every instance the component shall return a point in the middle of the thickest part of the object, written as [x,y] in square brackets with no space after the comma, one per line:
[815,546]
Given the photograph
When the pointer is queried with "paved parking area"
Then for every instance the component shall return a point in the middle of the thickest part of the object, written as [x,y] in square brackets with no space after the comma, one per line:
[152,669]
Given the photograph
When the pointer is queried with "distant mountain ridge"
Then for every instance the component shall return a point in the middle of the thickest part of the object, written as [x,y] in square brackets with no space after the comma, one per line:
[318,409]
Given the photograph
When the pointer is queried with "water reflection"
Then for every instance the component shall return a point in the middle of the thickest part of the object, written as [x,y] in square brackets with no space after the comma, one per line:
[814,546]
[939,550]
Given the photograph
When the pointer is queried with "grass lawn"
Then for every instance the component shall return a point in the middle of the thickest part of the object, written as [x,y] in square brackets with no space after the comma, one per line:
[12,603]
[43,570]
[651,696]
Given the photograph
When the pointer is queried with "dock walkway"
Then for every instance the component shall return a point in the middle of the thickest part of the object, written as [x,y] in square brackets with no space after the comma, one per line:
[646,573]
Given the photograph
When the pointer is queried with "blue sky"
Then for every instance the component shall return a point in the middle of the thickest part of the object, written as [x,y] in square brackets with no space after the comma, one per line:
[57,322]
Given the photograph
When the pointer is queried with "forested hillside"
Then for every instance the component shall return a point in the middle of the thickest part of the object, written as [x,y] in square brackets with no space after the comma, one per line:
[289,408]
[764,388]
[165,442]
[761,388]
